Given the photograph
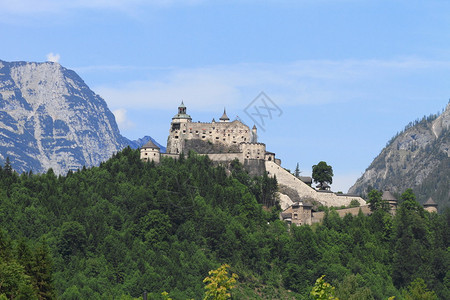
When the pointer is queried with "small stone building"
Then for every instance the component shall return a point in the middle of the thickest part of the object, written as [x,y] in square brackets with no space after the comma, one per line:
[150,152]
[393,203]
[298,213]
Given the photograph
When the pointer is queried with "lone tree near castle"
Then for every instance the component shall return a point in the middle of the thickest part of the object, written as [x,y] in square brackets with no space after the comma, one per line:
[322,173]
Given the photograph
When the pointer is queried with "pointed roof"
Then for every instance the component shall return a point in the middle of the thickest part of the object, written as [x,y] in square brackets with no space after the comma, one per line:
[387,196]
[182,112]
[224,117]
[213,120]
[150,145]
[430,202]
[254,127]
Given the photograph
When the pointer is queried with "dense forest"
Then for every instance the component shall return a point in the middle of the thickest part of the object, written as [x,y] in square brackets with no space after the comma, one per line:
[125,227]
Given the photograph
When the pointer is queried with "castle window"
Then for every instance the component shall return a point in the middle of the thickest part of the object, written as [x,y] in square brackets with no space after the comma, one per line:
[184,131]
[295,216]
[176,136]
[203,136]
[217,137]
[196,131]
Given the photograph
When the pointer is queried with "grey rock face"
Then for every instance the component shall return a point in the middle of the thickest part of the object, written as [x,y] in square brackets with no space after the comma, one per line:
[417,158]
[49,118]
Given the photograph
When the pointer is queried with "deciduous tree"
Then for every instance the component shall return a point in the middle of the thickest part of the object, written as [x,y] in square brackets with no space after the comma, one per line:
[322,173]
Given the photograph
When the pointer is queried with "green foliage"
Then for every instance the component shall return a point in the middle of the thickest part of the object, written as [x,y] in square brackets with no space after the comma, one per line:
[322,173]
[376,202]
[297,171]
[219,283]
[127,227]
[417,290]
[323,290]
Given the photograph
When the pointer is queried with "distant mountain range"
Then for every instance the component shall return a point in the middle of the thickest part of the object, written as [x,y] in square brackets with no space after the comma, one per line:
[49,118]
[417,158]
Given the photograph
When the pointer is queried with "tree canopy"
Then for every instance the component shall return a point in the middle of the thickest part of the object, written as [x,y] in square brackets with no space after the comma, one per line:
[322,173]
[126,227]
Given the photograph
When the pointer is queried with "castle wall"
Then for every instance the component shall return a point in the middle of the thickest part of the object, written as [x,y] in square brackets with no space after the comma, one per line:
[317,217]
[253,150]
[225,157]
[306,192]
[255,167]
[227,133]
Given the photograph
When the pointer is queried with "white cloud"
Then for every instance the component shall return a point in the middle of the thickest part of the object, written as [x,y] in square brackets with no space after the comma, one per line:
[53,57]
[290,84]
[21,7]
[122,120]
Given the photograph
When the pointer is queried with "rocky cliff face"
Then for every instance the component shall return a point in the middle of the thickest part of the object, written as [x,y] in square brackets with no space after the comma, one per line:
[49,118]
[417,158]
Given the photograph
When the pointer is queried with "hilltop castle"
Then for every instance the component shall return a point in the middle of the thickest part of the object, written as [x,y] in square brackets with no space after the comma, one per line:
[225,141]
[222,141]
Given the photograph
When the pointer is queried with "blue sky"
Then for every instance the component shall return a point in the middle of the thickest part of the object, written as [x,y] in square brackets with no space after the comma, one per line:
[346,74]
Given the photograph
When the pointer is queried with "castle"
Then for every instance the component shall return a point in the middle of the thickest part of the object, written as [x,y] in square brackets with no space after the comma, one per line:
[225,141]
[222,141]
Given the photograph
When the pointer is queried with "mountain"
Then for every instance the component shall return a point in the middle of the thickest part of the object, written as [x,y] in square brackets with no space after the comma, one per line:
[49,118]
[417,158]
[142,141]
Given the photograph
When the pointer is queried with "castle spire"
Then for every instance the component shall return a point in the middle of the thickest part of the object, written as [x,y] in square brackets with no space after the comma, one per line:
[224,117]
[182,115]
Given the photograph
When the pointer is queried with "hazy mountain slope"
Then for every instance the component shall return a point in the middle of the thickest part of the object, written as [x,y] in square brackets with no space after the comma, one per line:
[418,158]
[50,118]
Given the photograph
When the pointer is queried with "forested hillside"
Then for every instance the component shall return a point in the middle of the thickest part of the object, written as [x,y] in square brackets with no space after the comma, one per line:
[125,227]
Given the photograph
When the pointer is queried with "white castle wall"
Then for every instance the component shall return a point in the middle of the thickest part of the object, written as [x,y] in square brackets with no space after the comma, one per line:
[227,133]
[149,154]
[305,191]
[253,150]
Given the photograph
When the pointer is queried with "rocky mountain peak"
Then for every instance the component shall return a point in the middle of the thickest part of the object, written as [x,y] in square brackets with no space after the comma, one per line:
[49,118]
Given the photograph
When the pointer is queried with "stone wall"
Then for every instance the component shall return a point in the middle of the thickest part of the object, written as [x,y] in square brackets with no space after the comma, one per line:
[318,216]
[305,191]
[227,133]
[253,150]
[255,167]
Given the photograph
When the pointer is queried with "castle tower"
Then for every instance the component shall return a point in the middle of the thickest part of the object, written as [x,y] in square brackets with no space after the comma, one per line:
[389,198]
[430,205]
[224,117]
[181,116]
[177,127]
[254,134]
[150,152]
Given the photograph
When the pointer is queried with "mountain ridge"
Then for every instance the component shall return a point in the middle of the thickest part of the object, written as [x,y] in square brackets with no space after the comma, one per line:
[417,158]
